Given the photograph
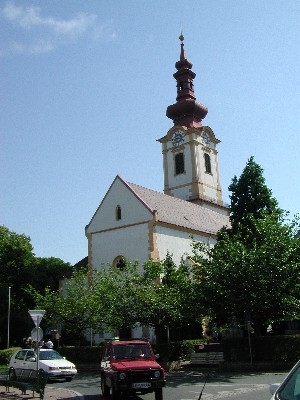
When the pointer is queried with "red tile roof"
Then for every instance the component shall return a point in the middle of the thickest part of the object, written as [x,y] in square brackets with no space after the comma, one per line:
[181,213]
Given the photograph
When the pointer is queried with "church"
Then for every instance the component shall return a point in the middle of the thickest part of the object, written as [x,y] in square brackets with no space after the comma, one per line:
[136,223]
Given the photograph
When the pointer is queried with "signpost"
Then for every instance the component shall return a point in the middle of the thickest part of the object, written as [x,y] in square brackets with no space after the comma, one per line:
[37,316]
[249,329]
[36,334]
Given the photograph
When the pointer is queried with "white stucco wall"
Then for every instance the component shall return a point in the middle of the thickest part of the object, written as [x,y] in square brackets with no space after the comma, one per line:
[177,243]
[133,211]
[128,236]
[130,242]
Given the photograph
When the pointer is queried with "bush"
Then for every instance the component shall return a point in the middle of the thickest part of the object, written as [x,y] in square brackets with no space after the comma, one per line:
[174,351]
[82,354]
[263,348]
[6,354]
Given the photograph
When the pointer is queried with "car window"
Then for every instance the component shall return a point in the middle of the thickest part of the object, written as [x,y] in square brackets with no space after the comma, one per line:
[29,354]
[21,355]
[50,355]
[291,389]
[131,351]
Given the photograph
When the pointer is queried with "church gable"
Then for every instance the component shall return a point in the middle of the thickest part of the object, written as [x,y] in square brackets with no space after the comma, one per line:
[120,207]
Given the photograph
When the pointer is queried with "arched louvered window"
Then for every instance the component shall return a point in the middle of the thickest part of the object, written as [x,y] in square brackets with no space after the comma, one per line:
[120,263]
[118,213]
[207,163]
[179,164]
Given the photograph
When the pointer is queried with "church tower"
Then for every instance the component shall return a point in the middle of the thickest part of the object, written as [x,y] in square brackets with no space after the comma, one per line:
[190,156]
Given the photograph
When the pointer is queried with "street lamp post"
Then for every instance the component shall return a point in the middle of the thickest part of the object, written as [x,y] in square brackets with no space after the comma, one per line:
[8,317]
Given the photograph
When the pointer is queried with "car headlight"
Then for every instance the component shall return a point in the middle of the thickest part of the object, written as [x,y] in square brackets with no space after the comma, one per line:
[156,374]
[122,375]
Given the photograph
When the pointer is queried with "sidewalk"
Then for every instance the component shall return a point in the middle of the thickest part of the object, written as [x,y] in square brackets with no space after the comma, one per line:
[51,393]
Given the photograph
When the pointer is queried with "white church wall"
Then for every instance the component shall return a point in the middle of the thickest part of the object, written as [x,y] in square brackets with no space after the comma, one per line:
[177,243]
[130,242]
[132,210]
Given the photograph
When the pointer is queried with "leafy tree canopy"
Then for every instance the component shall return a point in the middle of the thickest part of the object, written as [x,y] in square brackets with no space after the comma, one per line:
[19,268]
[250,197]
[157,294]
[255,266]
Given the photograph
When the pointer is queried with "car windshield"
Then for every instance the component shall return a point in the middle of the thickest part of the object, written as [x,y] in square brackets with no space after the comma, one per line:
[50,355]
[290,390]
[131,351]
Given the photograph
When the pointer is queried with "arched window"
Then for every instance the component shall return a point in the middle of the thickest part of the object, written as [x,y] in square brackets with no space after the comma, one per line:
[179,163]
[118,213]
[207,163]
[120,263]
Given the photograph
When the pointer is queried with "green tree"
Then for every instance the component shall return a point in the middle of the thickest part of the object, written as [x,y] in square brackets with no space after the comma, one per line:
[49,271]
[16,269]
[250,198]
[19,269]
[75,306]
[175,301]
[254,267]
[261,279]
[155,294]
[115,299]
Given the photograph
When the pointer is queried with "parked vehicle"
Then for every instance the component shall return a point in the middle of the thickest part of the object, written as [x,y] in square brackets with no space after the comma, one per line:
[49,360]
[130,367]
[289,389]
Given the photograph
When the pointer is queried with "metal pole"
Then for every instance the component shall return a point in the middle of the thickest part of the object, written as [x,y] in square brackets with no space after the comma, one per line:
[250,349]
[37,343]
[8,317]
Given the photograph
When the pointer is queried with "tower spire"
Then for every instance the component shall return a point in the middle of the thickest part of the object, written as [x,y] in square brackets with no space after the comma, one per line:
[186,111]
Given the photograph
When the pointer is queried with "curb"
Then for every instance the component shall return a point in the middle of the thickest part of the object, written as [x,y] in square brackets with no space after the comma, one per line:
[59,393]
[51,393]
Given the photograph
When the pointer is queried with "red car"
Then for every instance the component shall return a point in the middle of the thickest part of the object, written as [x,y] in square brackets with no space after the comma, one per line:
[129,367]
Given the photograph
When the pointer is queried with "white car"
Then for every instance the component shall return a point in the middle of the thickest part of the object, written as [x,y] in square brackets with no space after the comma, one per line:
[49,360]
[289,389]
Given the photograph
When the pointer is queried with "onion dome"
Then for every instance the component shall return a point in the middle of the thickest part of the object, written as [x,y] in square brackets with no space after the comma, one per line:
[186,111]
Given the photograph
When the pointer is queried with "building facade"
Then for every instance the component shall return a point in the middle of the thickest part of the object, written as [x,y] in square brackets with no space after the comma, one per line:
[136,223]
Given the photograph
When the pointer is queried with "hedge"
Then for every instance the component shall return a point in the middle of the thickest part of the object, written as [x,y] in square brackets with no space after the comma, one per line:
[263,348]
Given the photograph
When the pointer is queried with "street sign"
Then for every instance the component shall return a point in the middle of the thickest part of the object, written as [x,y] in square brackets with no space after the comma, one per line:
[37,334]
[37,316]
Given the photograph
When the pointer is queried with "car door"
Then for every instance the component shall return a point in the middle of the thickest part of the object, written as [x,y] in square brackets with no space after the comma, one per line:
[19,359]
[30,360]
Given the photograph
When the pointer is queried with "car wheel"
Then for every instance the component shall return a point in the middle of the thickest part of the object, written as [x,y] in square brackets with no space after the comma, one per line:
[12,374]
[116,394]
[69,379]
[159,394]
[104,388]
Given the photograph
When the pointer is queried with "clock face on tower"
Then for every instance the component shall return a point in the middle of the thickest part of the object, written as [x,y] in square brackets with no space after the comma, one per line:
[205,137]
[178,138]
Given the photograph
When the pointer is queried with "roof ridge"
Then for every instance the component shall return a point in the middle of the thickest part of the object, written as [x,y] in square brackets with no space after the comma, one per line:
[171,198]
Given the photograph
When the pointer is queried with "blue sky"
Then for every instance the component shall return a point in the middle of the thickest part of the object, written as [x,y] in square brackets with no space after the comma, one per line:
[85,86]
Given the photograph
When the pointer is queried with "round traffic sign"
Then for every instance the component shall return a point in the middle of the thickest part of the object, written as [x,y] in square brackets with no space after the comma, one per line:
[37,334]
